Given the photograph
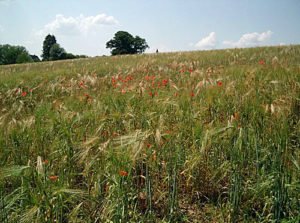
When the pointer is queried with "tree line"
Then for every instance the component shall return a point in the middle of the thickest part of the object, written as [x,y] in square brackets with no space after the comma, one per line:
[122,43]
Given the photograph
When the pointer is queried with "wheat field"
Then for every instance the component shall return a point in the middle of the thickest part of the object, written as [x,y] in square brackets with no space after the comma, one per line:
[209,136]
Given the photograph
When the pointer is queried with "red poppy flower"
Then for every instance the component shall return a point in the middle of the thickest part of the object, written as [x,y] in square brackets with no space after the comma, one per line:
[81,84]
[192,94]
[219,83]
[164,82]
[129,78]
[262,62]
[87,95]
[153,84]
[53,178]
[45,162]
[24,93]
[123,173]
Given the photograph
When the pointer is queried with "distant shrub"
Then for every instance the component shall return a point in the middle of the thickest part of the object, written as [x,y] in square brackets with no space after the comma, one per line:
[13,54]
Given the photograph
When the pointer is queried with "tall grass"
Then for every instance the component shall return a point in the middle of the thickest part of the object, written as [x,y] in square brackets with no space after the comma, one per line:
[182,137]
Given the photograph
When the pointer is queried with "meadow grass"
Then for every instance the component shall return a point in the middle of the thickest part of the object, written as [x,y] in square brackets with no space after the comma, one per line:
[207,136]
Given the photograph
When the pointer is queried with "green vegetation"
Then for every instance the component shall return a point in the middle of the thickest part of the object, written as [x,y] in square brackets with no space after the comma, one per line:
[48,43]
[124,43]
[53,51]
[14,54]
[182,137]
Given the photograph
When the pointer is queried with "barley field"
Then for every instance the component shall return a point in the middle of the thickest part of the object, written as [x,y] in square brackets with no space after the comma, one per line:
[208,136]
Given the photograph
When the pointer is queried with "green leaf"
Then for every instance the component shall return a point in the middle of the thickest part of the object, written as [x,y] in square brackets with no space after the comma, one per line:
[12,171]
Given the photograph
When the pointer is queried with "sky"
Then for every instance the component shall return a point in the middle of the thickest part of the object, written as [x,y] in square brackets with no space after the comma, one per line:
[84,26]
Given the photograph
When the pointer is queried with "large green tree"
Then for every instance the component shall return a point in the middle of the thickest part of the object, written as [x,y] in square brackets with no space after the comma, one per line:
[49,41]
[124,43]
[13,54]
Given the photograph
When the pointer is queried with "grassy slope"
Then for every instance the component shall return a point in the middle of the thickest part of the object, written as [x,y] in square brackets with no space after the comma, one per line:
[181,137]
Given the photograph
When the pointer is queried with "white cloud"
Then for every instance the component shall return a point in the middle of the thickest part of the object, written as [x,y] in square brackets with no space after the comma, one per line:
[76,25]
[250,39]
[208,42]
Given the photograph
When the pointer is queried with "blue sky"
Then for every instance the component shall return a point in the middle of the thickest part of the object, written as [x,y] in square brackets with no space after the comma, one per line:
[84,26]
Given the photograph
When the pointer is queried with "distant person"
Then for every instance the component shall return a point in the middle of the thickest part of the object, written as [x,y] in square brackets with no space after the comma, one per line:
[156,50]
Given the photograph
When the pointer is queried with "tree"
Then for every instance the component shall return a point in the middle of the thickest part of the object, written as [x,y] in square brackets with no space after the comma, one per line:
[124,43]
[49,41]
[69,56]
[13,54]
[23,57]
[140,44]
[53,51]
[57,52]
[35,58]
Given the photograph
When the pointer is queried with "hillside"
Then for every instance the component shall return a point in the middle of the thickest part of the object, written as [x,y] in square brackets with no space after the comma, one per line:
[209,136]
